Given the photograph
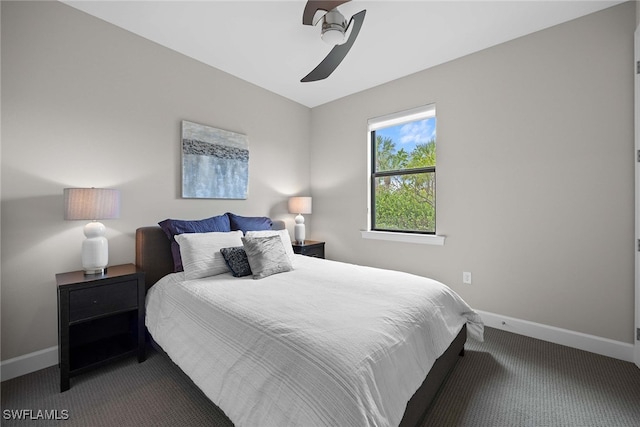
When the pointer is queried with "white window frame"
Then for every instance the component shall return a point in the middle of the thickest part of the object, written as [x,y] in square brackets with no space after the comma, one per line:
[398,118]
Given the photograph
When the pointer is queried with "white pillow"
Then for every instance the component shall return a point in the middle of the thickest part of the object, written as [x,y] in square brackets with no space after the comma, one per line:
[284,235]
[201,255]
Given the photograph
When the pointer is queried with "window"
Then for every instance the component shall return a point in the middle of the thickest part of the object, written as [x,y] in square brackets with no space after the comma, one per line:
[403,172]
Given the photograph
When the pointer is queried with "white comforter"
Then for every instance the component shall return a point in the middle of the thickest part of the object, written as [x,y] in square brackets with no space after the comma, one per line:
[327,344]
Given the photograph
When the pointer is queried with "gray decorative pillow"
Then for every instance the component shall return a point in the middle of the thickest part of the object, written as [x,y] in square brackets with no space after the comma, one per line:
[266,256]
[284,235]
[236,259]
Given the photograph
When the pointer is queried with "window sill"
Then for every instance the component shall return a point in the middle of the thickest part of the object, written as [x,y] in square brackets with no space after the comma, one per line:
[424,239]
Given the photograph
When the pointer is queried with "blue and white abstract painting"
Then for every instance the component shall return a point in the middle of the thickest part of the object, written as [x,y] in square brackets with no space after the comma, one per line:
[215,163]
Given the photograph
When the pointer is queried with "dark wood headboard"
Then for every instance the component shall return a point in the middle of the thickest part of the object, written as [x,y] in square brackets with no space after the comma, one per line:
[153,252]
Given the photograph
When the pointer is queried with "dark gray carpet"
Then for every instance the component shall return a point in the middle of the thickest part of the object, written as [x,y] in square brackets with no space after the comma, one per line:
[508,380]
[511,380]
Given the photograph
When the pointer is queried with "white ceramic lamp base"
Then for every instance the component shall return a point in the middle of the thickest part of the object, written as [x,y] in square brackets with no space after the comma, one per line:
[298,230]
[95,249]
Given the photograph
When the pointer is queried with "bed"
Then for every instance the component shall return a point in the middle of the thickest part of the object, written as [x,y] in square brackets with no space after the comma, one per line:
[262,368]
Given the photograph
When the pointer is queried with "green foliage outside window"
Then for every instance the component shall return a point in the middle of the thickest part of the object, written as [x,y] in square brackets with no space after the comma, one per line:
[404,186]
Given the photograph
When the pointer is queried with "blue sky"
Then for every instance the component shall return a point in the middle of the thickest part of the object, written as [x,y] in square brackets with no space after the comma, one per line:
[409,134]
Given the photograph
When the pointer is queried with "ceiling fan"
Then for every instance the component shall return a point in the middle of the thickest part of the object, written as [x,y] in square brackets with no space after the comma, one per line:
[334,29]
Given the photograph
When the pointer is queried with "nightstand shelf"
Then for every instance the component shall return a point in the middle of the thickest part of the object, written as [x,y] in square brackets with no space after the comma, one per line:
[310,248]
[86,354]
[100,319]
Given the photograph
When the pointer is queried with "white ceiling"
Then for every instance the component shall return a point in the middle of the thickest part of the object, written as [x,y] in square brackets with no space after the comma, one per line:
[265,43]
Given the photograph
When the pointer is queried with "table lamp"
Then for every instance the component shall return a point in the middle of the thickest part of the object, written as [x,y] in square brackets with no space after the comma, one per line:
[92,204]
[299,205]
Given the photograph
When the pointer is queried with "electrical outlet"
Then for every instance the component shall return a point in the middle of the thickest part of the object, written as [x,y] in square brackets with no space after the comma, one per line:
[466,277]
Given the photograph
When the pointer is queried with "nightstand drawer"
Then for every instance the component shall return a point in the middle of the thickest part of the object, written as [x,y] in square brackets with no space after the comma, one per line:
[314,251]
[310,248]
[101,300]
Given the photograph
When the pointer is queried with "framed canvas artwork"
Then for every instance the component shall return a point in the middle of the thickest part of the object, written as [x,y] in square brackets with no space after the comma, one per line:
[215,163]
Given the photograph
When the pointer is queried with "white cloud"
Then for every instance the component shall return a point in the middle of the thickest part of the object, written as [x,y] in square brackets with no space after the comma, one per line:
[419,132]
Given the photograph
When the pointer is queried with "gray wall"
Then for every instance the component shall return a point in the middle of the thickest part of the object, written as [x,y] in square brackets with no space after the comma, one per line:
[535,175]
[85,103]
[535,164]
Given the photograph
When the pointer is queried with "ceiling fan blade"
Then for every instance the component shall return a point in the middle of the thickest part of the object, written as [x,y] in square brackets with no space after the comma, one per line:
[337,54]
[313,6]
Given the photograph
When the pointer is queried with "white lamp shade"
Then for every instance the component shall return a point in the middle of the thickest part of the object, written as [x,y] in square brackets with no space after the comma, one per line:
[300,205]
[91,203]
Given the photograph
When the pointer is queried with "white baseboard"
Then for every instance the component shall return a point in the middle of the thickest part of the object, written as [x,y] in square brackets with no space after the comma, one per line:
[22,365]
[594,344]
[41,359]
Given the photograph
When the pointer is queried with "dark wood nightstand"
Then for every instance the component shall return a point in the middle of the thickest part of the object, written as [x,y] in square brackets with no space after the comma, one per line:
[100,319]
[309,248]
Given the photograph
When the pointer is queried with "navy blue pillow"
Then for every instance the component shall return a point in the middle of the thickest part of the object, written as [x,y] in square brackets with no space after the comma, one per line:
[249,223]
[172,227]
